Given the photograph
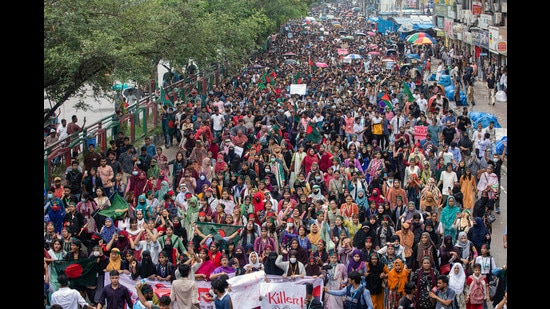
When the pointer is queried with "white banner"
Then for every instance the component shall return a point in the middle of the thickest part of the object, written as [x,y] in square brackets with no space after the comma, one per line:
[298,89]
[275,295]
[245,290]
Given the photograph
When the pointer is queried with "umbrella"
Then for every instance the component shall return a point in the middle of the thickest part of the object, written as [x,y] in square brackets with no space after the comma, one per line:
[413,56]
[347,37]
[255,66]
[354,56]
[289,54]
[321,64]
[391,51]
[360,34]
[119,86]
[387,59]
[373,46]
[290,61]
[335,22]
[420,38]
[374,53]
[343,32]
[371,33]
[356,9]
[337,26]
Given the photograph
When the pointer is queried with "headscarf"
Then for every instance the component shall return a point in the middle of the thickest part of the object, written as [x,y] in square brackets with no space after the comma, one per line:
[147,266]
[164,187]
[424,249]
[314,237]
[270,267]
[154,170]
[479,232]
[191,213]
[114,262]
[255,265]
[108,232]
[397,280]
[465,245]
[448,217]
[220,166]
[243,259]
[352,264]
[142,205]
[198,188]
[456,281]
[362,202]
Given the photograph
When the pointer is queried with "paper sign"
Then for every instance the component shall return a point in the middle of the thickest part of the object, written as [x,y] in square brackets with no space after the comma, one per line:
[298,89]
[420,132]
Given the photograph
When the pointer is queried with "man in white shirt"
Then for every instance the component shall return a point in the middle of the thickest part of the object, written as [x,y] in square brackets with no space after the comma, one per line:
[217,122]
[62,129]
[422,103]
[448,179]
[67,297]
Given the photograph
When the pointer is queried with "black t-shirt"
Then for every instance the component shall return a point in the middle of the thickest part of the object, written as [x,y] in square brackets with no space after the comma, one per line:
[405,303]
[463,121]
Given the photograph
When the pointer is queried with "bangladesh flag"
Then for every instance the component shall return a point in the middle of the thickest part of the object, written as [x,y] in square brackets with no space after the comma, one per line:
[164,98]
[219,231]
[117,208]
[81,272]
[312,133]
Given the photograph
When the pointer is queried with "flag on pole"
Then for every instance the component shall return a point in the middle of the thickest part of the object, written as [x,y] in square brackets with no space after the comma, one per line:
[310,62]
[385,100]
[408,92]
[117,208]
[298,78]
[81,272]
[164,98]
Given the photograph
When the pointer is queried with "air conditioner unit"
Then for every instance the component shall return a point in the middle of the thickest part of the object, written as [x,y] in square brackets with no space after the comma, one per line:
[488,7]
[496,6]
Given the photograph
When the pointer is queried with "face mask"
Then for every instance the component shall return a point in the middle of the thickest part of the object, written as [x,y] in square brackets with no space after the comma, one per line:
[83,199]
[50,195]
[290,224]
[134,173]
[495,159]
[96,253]
[173,197]
[375,193]
[267,170]
[238,254]
[317,178]
[176,224]
[161,176]
[316,191]
[202,177]
[272,159]
[55,208]
[292,260]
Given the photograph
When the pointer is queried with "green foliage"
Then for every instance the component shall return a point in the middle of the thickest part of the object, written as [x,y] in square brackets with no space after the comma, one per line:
[94,43]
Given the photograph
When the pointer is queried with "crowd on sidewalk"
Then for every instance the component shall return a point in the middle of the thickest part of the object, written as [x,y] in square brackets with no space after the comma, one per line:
[333,182]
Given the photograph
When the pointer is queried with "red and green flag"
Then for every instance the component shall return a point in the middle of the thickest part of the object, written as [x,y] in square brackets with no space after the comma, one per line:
[312,133]
[81,272]
[408,92]
[385,101]
[298,78]
[220,231]
[117,209]
[164,98]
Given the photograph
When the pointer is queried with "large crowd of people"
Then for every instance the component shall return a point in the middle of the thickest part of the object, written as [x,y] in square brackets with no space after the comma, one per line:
[334,182]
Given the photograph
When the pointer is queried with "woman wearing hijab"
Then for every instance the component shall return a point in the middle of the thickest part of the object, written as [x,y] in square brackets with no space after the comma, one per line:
[314,235]
[425,247]
[466,252]
[115,261]
[239,254]
[312,268]
[448,216]
[355,263]
[191,216]
[270,267]
[336,275]
[377,271]
[108,230]
[291,268]
[425,278]
[146,266]
[398,276]
[220,164]
[479,234]
[457,279]
[203,180]
[254,263]
[362,204]
[446,253]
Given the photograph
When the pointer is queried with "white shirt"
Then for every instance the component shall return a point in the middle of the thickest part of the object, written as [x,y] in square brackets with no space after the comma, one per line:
[152,246]
[423,104]
[217,122]
[68,298]
[61,131]
[448,180]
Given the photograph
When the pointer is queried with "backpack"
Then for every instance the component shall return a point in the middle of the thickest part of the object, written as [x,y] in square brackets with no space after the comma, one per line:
[353,301]
[477,291]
